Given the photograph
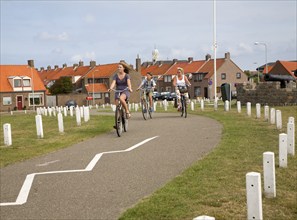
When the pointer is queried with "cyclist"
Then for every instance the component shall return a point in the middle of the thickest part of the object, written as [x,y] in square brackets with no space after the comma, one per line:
[180,80]
[148,84]
[122,81]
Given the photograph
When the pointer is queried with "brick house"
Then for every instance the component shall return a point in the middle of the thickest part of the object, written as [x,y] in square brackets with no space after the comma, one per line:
[21,87]
[200,73]
[284,68]
[90,82]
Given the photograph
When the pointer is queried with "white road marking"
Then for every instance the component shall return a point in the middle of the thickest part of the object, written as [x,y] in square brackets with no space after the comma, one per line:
[25,190]
[47,163]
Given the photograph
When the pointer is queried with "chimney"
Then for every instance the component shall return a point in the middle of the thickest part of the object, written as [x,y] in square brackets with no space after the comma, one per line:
[207,57]
[41,69]
[227,56]
[122,61]
[31,63]
[175,60]
[80,63]
[49,68]
[92,63]
[138,64]
[75,65]
[64,65]
[56,67]
[190,59]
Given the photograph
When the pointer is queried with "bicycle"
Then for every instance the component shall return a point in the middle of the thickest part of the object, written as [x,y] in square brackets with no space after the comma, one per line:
[145,105]
[183,100]
[121,121]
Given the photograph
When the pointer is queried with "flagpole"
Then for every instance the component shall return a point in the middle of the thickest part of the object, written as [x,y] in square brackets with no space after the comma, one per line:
[215,50]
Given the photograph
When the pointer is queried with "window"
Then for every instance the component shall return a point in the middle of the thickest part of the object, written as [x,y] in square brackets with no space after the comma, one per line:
[17,83]
[98,95]
[36,99]
[6,100]
[238,75]
[26,82]
[106,95]
[198,77]
[167,78]
[223,76]
[197,91]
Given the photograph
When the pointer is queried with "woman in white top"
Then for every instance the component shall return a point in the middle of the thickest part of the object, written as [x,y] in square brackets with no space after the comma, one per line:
[180,80]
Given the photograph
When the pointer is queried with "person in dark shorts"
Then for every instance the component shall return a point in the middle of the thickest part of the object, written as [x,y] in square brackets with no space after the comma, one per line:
[122,81]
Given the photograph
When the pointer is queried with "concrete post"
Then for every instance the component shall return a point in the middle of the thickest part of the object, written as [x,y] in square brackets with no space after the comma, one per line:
[266,113]
[78,117]
[291,138]
[249,109]
[192,105]
[272,116]
[65,111]
[279,119]
[283,150]
[39,127]
[202,104]
[238,103]
[7,134]
[60,122]
[269,174]
[71,111]
[86,116]
[254,196]
[226,106]
[204,217]
[258,110]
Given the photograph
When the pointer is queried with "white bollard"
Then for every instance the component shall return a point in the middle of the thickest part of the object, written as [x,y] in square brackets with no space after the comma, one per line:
[54,112]
[283,150]
[238,106]
[81,111]
[78,117]
[266,113]
[60,122]
[291,138]
[269,174]
[192,106]
[165,104]
[279,119]
[65,111]
[254,196]
[272,116]
[204,217]
[39,127]
[258,110]
[45,111]
[7,134]
[49,110]
[226,106]
[155,106]
[248,108]
[202,104]
[215,104]
[86,114]
[71,111]
[291,120]
[113,107]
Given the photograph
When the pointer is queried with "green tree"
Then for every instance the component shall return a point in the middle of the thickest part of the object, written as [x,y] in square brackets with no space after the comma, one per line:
[61,86]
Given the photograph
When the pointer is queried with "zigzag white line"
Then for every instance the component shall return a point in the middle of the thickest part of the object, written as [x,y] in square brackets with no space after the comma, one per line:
[25,190]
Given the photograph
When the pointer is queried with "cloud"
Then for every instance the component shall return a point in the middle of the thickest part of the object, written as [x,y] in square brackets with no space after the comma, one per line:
[240,49]
[57,50]
[86,55]
[89,18]
[55,37]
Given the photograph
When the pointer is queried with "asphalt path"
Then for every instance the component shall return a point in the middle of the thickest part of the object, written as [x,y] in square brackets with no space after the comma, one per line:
[117,180]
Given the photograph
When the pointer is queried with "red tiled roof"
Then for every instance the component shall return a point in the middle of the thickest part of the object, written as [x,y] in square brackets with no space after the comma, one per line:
[268,67]
[98,87]
[7,71]
[189,67]
[103,71]
[290,66]
[209,67]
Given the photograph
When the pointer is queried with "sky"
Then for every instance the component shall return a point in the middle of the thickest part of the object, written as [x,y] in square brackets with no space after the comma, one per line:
[55,32]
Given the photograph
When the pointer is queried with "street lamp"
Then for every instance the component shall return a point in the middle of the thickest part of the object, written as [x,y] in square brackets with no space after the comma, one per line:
[261,43]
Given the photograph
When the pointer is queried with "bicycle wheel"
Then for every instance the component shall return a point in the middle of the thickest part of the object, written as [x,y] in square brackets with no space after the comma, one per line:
[124,120]
[185,107]
[144,109]
[182,106]
[118,121]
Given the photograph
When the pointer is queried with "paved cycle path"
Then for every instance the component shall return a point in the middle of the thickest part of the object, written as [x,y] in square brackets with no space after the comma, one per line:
[102,186]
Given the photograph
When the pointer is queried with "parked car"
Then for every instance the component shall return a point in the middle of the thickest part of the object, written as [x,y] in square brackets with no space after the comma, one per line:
[165,95]
[156,96]
[71,103]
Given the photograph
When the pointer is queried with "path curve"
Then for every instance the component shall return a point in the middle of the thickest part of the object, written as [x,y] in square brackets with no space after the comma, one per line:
[118,181]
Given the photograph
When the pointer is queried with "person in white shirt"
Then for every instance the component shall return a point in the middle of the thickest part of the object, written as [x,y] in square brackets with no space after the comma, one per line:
[180,80]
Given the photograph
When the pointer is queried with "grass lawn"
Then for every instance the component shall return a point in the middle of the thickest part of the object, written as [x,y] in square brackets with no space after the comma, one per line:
[213,186]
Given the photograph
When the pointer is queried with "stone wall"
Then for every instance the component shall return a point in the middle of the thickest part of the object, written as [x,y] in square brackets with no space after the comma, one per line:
[269,93]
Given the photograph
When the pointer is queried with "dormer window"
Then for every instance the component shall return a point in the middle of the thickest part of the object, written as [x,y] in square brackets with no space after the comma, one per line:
[26,82]
[17,83]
